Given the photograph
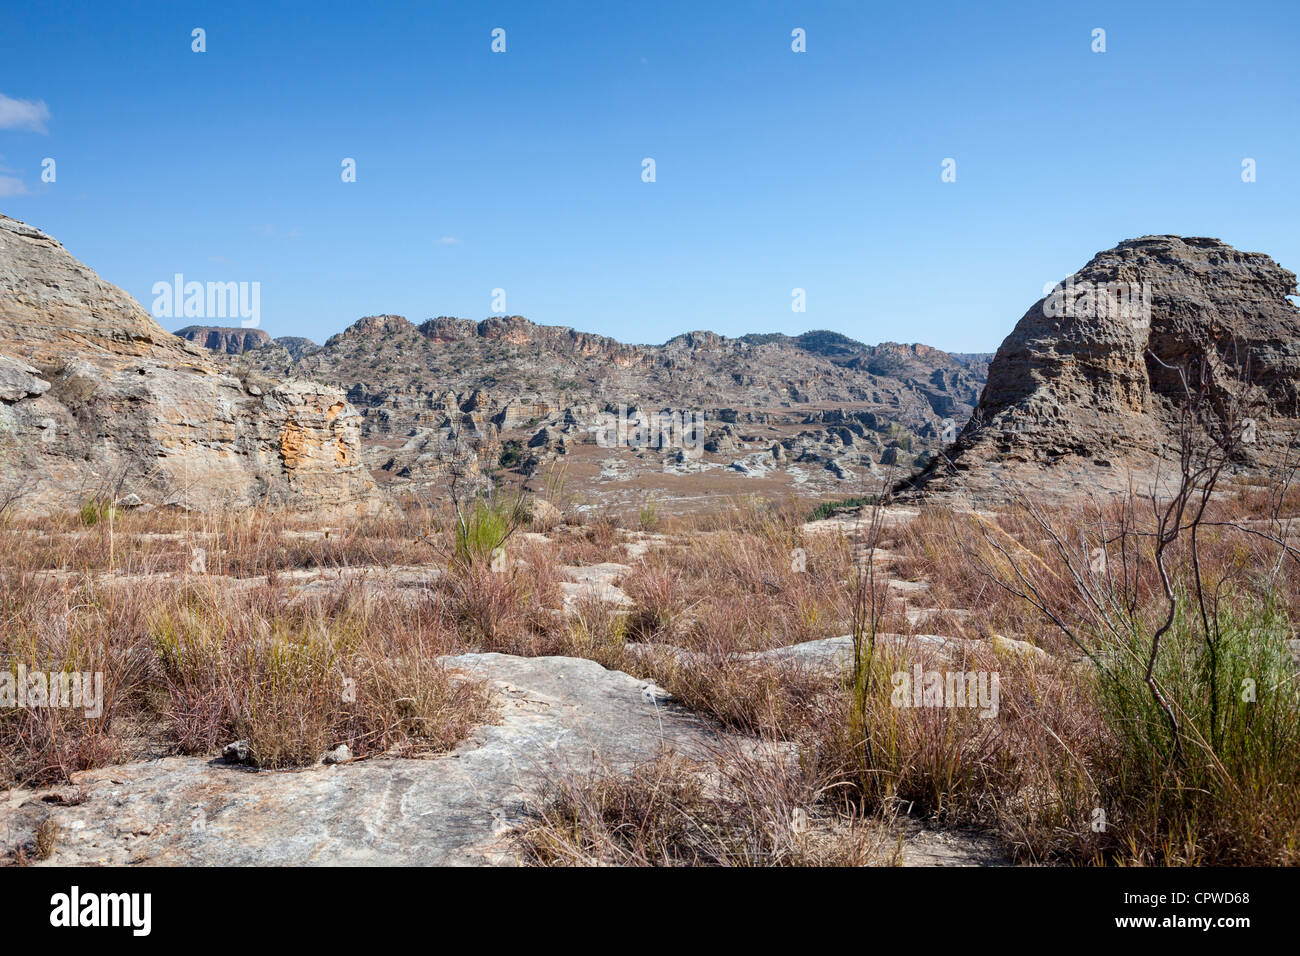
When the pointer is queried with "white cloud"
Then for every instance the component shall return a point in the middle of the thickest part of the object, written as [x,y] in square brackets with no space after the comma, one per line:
[12,186]
[271,231]
[449,241]
[23,114]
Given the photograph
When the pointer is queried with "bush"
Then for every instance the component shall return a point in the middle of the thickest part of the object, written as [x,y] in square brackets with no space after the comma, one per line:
[512,452]
[484,529]
[828,509]
[1233,795]
[93,512]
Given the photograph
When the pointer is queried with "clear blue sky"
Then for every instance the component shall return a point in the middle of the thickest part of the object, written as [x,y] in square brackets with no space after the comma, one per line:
[522,170]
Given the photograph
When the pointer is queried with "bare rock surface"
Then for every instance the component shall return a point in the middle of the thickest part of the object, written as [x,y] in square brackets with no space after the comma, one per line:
[1086,390]
[230,341]
[98,401]
[558,715]
[594,582]
[923,846]
[807,413]
[829,655]
[19,380]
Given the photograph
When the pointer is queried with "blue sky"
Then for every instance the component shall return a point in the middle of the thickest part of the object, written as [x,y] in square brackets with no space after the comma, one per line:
[521,170]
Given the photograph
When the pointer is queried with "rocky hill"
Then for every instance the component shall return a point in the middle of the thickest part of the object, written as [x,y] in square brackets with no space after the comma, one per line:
[231,341]
[1086,390]
[221,339]
[97,401]
[508,392]
[295,345]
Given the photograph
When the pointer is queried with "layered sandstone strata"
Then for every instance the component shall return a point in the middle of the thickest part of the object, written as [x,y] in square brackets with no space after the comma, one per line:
[1088,390]
[98,401]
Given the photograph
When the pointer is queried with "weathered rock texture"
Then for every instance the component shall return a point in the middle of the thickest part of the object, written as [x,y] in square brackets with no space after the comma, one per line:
[1086,391]
[449,389]
[222,339]
[560,715]
[295,345]
[98,401]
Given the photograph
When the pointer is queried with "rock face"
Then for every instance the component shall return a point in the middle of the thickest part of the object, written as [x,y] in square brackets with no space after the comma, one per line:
[227,340]
[296,346]
[1086,390]
[453,390]
[98,401]
[559,714]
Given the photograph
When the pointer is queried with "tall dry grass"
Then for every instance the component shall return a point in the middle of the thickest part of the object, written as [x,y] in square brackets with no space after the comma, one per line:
[259,645]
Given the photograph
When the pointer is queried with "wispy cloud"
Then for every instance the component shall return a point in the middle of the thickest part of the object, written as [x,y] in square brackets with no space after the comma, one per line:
[270,231]
[449,241]
[10,185]
[23,114]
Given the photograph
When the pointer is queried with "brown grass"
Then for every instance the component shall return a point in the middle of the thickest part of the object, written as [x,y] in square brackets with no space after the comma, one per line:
[243,650]
[741,811]
[193,661]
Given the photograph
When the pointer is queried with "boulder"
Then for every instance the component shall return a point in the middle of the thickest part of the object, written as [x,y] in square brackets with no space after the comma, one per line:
[103,393]
[1086,389]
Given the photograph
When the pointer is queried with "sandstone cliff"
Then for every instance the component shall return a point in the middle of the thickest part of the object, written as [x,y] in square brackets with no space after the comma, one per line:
[1086,393]
[98,401]
[223,339]
[506,390]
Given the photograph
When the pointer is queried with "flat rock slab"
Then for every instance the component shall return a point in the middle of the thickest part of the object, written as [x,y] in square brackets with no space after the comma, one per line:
[607,572]
[594,582]
[921,846]
[836,653]
[825,654]
[559,715]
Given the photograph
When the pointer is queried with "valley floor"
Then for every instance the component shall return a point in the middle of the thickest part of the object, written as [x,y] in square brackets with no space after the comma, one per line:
[710,689]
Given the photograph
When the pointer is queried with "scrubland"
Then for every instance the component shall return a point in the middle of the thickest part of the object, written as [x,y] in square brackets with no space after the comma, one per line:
[1148,710]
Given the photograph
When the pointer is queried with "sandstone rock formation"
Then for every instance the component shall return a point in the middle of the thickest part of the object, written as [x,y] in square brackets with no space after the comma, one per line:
[474,393]
[559,715]
[223,339]
[295,345]
[97,401]
[1086,391]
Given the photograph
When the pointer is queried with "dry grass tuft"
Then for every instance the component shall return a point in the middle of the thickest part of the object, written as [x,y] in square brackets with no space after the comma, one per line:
[743,811]
[296,638]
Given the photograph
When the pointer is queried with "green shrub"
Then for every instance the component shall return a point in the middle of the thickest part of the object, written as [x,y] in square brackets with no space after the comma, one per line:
[93,512]
[1233,794]
[827,509]
[484,528]
[512,451]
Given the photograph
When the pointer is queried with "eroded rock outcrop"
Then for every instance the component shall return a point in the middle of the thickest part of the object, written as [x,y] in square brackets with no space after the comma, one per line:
[99,401]
[224,339]
[559,715]
[506,392]
[1086,392]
